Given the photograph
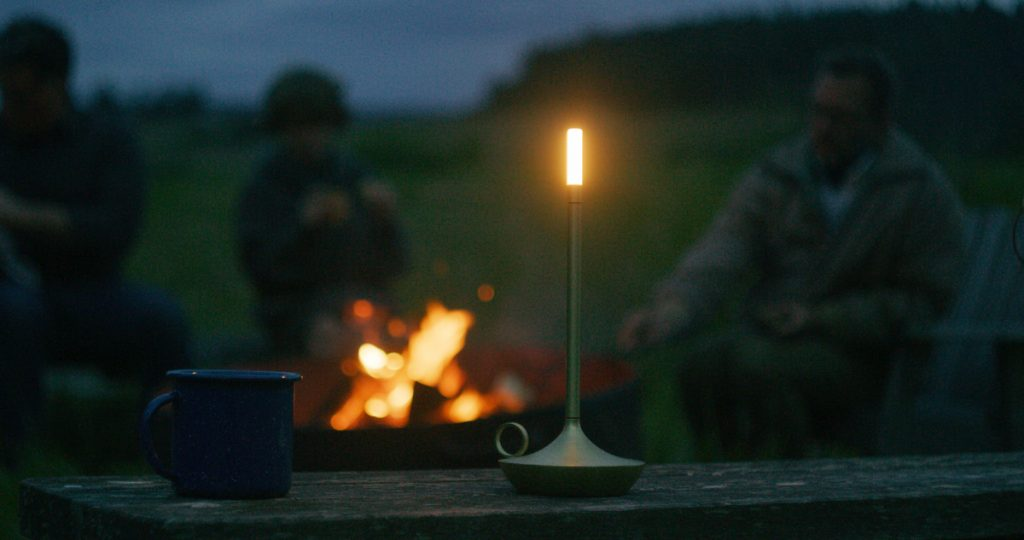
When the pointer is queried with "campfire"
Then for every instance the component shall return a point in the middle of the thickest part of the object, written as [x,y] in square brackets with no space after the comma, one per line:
[410,396]
[423,381]
[401,399]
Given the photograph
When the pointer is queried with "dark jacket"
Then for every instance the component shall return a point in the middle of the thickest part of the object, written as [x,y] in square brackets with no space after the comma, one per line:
[286,260]
[92,167]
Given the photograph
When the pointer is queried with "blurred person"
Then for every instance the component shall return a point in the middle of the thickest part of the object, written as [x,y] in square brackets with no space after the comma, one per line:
[317,231]
[71,198]
[837,242]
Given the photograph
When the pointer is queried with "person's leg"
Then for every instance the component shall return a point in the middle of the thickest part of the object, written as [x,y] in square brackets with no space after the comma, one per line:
[710,406]
[126,330]
[23,357]
[747,396]
[788,385]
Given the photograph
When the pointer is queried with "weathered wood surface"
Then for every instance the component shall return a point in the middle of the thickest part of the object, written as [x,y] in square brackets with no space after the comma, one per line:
[958,496]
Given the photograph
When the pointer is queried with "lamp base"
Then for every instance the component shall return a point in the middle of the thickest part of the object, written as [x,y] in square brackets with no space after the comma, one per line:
[572,466]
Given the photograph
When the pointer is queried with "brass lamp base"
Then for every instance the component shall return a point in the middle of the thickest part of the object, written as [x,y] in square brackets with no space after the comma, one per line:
[572,466]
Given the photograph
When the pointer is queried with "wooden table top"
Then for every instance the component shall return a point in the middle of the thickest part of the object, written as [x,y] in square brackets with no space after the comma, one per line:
[972,495]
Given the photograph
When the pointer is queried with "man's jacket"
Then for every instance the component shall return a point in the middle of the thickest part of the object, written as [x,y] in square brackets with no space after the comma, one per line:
[894,259]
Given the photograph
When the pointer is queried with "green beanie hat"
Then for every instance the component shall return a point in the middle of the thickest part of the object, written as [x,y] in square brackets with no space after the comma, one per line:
[304,96]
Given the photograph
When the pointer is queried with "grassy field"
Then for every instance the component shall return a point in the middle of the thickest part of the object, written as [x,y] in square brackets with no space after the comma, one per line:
[482,202]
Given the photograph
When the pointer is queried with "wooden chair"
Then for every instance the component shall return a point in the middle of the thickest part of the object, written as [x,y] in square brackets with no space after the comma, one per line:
[959,385]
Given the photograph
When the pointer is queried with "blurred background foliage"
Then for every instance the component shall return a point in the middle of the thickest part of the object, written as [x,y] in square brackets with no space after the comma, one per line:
[960,65]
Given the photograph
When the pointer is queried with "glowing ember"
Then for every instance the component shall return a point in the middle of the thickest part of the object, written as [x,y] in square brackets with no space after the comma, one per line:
[374,362]
[372,357]
[468,406]
[485,292]
[397,328]
[362,309]
[383,383]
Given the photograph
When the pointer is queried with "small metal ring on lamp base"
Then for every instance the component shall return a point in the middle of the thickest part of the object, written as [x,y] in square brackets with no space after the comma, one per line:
[522,448]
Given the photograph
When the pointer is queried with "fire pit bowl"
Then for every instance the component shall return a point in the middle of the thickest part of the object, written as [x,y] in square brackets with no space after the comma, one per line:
[610,410]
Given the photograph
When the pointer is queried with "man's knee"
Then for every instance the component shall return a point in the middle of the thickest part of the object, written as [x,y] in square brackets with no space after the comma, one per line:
[160,333]
[705,371]
[24,333]
[23,355]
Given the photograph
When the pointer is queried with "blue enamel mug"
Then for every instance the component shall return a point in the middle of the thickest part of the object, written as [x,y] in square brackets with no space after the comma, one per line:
[231,434]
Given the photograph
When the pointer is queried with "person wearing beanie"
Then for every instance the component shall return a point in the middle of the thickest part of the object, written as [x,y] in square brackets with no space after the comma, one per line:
[316,231]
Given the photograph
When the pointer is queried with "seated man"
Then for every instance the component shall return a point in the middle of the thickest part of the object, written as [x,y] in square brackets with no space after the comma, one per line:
[71,197]
[845,237]
[316,232]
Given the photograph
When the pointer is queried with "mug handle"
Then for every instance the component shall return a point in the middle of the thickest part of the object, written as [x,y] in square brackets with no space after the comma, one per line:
[522,448]
[146,438]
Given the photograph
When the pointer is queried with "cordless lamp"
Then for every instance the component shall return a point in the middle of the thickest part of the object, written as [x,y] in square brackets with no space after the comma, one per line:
[571,465]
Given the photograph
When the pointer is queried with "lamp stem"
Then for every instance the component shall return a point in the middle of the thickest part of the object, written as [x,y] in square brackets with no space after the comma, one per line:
[572,390]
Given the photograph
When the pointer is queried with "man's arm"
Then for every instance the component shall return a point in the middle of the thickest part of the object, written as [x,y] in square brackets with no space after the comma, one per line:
[388,250]
[708,273]
[107,225]
[269,229]
[101,224]
[18,214]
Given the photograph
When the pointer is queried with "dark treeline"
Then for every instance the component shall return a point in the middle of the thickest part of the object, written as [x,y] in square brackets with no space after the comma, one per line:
[173,102]
[961,69]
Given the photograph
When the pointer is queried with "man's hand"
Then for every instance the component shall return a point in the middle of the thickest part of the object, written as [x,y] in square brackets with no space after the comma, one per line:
[330,339]
[18,214]
[323,207]
[11,209]
[653,325]
[785,320]
[379,197]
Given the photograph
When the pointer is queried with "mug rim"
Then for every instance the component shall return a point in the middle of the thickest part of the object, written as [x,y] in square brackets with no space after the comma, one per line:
[234,375]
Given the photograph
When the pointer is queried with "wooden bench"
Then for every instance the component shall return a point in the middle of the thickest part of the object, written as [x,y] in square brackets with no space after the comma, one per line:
[959,385]
[961,496]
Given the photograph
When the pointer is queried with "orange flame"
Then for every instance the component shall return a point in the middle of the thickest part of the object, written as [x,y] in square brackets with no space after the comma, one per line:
[442,335]
[384,382]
